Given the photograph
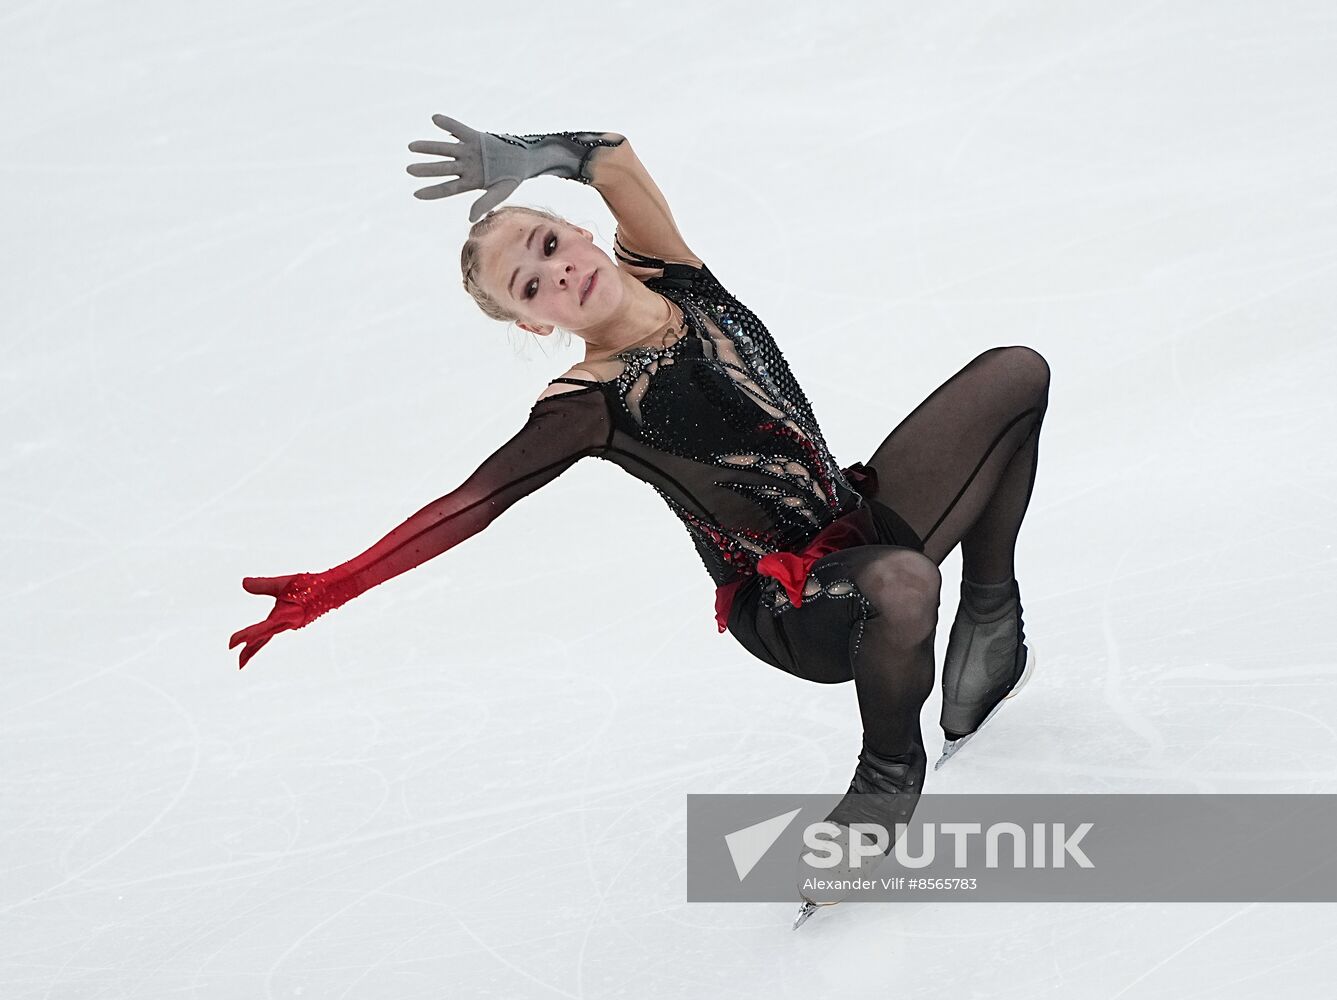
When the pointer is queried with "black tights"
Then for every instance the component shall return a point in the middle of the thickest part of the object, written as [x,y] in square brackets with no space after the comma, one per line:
[958,469]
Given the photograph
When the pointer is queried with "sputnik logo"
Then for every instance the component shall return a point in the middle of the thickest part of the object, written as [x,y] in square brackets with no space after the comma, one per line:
[748,845]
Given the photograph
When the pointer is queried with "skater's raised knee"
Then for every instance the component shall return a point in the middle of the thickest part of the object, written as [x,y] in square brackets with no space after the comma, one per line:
[1022,369]
[1027,365]
[905,587]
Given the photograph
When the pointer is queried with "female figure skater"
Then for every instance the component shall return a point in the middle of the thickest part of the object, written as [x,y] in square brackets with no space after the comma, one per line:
[828,573]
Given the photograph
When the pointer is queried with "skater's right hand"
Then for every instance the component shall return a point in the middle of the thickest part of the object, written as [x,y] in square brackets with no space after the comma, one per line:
[288,613]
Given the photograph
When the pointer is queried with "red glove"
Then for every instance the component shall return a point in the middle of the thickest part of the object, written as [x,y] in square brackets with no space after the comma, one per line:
[293,607]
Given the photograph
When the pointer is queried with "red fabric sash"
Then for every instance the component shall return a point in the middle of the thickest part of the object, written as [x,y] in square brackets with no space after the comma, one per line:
[792,568]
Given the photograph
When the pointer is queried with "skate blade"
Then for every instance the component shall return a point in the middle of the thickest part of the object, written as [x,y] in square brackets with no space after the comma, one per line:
[806,911]
[950,747]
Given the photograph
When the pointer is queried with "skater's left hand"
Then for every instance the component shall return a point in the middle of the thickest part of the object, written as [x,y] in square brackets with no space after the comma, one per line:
[287,614]
[479,160]
[496,162]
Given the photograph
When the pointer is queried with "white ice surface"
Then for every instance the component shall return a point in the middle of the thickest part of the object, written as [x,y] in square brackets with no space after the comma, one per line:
[236,345]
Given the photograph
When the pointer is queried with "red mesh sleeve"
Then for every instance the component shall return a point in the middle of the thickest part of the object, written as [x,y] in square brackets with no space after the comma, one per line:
[560,431]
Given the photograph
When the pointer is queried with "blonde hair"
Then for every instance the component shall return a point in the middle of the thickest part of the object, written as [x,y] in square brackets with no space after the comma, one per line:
[471,258]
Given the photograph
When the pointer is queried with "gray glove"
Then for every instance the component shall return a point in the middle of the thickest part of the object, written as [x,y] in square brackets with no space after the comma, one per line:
[497,163]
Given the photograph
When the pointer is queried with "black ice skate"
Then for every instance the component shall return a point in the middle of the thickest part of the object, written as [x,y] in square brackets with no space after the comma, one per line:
[884,791]
[987,662]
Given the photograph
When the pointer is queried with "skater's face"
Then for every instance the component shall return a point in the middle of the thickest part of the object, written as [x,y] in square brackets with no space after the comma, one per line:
[540,270]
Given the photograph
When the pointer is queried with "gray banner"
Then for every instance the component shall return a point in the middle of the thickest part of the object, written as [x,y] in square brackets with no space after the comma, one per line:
[1009,848]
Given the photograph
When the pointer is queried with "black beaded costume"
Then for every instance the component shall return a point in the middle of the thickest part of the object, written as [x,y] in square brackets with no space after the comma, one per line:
[715,422]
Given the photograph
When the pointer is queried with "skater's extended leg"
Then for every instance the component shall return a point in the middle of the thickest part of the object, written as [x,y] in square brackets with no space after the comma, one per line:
[891,650]
[889,627]
[961,468]
[890,622]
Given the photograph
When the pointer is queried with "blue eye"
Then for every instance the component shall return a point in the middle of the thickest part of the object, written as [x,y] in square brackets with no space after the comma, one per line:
[552,238]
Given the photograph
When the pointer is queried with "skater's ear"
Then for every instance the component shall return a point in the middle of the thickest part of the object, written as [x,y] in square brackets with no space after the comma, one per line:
[542,331]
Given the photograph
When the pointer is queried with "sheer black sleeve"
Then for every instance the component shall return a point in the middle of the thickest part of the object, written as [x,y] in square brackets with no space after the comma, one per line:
[560,431]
